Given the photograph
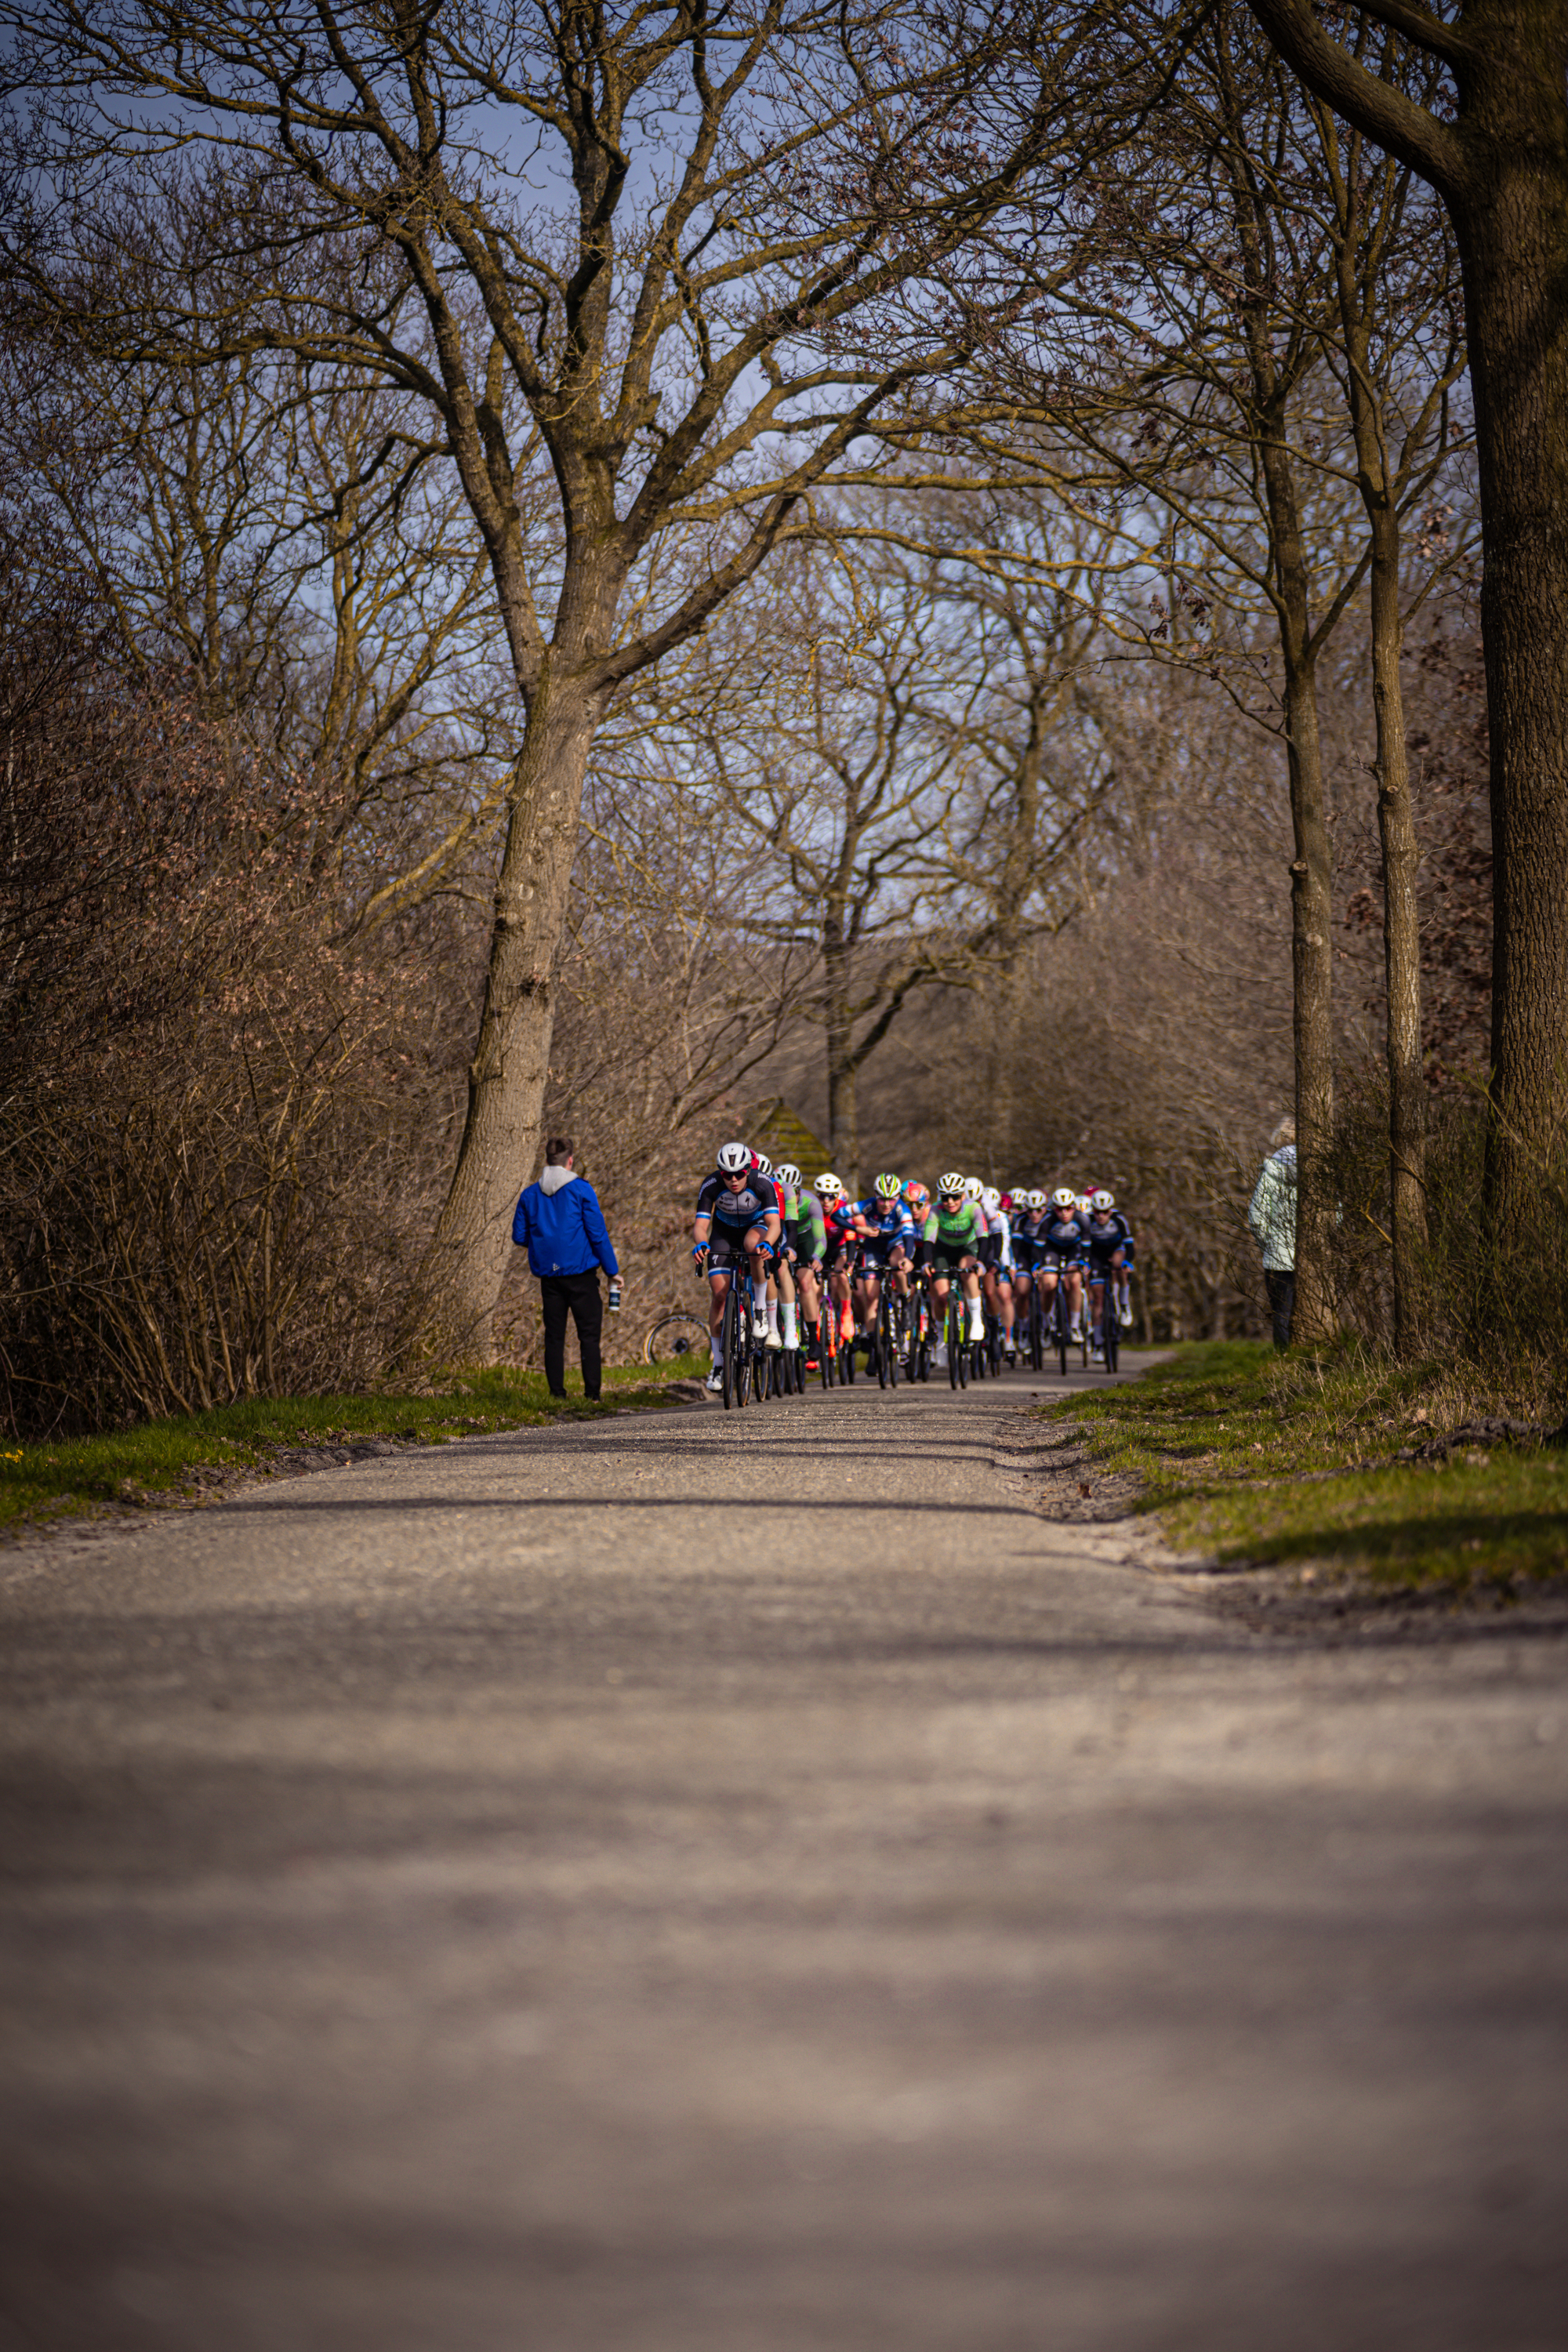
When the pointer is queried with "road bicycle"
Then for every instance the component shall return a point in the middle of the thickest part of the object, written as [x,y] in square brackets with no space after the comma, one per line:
[921,1325]
[1036,1332]
[735,1337]
[891,1332]
[829,1368]
[1108,1328]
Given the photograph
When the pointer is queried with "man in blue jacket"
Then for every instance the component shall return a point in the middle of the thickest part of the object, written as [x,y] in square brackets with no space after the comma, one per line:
[560,1224]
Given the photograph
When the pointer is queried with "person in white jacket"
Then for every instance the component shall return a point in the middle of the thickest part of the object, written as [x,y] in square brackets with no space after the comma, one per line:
[1272,1217]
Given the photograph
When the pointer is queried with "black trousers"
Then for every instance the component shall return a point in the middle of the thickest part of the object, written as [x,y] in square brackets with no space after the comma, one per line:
[1281,1289]
[579,1295]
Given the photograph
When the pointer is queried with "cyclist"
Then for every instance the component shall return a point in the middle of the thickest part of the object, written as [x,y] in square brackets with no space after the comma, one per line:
[997,1262]
[737,1223]
[779,1285]
[953,1238]
[886,1234]
[1028,1244]
[804,1240]
[1107,1234]
[1063,1234]
[838,1218]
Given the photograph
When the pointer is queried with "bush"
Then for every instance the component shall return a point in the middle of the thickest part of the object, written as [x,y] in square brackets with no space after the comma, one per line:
[222,1125]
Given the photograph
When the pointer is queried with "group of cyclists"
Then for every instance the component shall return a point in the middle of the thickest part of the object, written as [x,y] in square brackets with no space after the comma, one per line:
[819,1263]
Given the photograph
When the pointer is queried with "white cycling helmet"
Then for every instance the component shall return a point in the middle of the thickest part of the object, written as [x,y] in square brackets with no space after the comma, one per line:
[762,1163]
[786,1173]
[1084,1204]
[1063,1197]
[1102,1200]
[949,1187]
[972,1188]
[829,1188]
[887,1188]
[1035,1200]
[991,1199]
[734,1159]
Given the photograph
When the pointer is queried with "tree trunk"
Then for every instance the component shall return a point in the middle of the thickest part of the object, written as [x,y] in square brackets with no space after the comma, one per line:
[1500,164]
[1311,893]
[1395,814]
[1401,942]
[511,1061]
[843,1065]
[1513,238]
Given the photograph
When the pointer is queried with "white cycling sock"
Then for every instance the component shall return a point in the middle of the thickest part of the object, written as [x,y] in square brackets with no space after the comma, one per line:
[773,1315]
[759,1297]
[716,1342]
[790,1334]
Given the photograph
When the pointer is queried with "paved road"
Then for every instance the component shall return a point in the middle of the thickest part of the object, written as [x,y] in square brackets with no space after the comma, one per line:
[750,1884]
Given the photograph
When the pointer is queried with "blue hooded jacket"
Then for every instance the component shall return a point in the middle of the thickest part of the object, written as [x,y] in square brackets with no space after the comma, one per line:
[560,1224]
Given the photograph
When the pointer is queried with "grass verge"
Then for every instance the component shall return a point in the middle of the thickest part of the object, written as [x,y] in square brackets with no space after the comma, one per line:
[1257,1458]
[193,1456]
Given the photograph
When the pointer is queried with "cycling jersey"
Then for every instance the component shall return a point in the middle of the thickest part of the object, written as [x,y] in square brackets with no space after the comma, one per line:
[757,1201]
[838,1235]
[952,1234]
[1028,1238]
[996,1243]
[1105,1239]
[1064,1236]
[894,1228]
[804,1228]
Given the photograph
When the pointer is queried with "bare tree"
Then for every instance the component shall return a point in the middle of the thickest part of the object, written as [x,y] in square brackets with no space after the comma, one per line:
[1492,140]
[659,341]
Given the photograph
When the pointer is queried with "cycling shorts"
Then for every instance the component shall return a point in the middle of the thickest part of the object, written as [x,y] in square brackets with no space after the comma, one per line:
[724,1245]
[1053,1263]
[946,1261]
[1023,1253]
[990,1253]
[876,1256]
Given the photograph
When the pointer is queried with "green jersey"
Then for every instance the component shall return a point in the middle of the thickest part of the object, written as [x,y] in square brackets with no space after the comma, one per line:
[804,1228]
[957,1231]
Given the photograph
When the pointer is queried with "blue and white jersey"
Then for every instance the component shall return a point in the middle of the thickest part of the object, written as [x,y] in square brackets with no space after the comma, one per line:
[756,1200]
[892,1226]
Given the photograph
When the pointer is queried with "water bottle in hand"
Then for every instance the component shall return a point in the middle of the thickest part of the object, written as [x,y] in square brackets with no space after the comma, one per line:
[615,1293]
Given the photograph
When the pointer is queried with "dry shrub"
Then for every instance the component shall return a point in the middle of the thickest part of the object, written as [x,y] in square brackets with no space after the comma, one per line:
[221,1124]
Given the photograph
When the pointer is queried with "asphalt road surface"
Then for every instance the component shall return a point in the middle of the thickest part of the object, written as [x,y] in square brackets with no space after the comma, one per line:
[750,1882]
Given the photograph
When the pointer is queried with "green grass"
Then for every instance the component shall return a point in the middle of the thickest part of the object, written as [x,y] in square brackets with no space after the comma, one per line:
[168,1462]
[1254,1457]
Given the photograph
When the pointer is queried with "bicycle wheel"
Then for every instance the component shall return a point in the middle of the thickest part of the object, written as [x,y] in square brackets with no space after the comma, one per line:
[892,1339]
[826,1361]
[1060,1312]
[729,1355]
[1112,1338]
[679,1334]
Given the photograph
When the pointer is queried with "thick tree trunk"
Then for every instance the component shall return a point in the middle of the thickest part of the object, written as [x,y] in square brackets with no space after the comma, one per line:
[1500,164]
[1513,237]
[1401,942]
[1395,814]
[510,1060]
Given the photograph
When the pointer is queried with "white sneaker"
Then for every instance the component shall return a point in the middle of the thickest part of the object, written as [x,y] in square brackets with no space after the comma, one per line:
[977,1327]
[773,1339]
[759,1326]
[939,1354]
[1124,1316]
[714,1382]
